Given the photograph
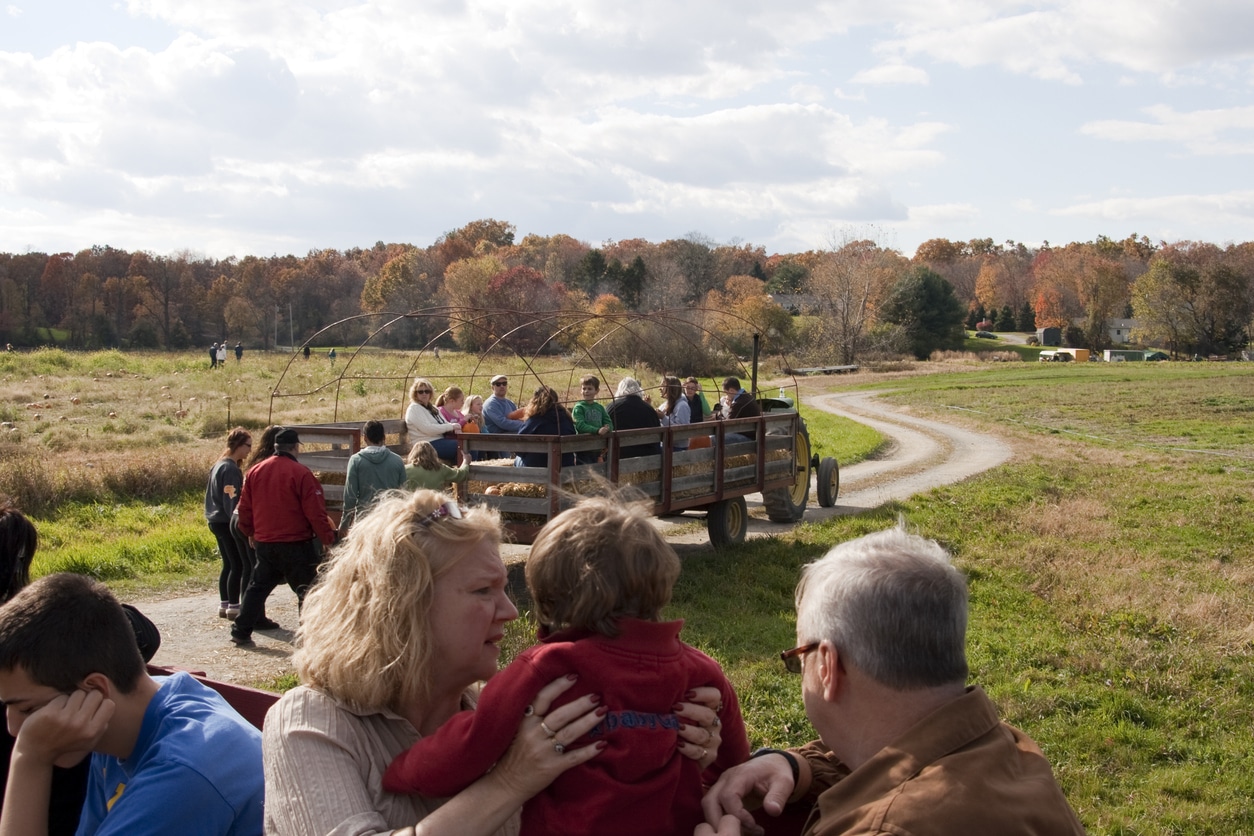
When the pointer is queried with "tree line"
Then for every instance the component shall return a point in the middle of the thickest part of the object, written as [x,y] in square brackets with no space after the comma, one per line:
[853,299]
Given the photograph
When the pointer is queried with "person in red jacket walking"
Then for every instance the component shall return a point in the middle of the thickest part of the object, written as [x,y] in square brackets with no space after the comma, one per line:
[281,510]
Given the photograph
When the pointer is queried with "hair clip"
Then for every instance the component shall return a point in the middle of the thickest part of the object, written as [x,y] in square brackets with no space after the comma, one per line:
[449,508]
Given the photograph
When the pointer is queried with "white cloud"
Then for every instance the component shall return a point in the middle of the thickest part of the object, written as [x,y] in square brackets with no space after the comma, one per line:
[296,117]
[1200,131]
[13,11]
[1200,210]
[891,74]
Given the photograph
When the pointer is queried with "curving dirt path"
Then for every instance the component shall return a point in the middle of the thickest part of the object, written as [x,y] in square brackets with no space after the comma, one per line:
[922,454]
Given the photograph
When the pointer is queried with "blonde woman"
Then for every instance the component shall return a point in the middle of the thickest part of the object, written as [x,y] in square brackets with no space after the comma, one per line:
[425,423]
[407,617]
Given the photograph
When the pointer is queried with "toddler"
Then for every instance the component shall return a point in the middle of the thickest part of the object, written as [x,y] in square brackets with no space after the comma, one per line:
[599,576]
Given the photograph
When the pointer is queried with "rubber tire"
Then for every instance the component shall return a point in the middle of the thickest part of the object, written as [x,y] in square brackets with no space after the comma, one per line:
[829,482]
[788,505]
[728,522]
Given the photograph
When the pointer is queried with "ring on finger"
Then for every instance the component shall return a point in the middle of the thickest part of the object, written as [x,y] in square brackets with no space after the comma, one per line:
[529,710]
[717,722]
[704,752]
[559,748]
[548,731]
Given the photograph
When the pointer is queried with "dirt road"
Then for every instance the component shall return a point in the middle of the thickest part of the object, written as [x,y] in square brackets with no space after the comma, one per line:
[922,454]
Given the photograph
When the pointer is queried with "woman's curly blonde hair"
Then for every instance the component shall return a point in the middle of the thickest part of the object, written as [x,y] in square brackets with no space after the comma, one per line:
[364,636]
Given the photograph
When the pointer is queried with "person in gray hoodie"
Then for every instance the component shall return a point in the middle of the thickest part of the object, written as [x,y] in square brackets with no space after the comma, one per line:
[370,472]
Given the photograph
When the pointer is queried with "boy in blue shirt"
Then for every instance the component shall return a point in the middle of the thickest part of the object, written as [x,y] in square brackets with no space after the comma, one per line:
[169,755]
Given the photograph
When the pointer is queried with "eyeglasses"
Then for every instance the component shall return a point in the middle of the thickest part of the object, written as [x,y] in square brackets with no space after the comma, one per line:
[448,509]
[501,383]
[424,392]
[792,658]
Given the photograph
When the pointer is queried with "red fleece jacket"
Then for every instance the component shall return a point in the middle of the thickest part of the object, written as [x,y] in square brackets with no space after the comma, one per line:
[640,783]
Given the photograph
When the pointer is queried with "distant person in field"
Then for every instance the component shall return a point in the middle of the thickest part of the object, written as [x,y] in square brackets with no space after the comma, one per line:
[905,745]
[305,352]
[371,471]
[239,352]
[281,510]
[213,356]
[331,356]
[222,354]
[168,754]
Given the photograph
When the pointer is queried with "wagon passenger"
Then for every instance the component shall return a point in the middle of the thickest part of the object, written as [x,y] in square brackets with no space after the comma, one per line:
[545,415]
[630,412]
[590,417]
[674,410]
[425,423]
[698,407]
[497,410]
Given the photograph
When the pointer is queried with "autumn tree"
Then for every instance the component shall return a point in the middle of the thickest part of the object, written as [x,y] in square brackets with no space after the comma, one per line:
[466,284]
[848,284]
[475,238]
[519,310]
[1192,300]
[742,309]
[924,304]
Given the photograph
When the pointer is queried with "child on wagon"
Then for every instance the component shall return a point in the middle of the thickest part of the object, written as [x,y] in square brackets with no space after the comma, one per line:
[599,576]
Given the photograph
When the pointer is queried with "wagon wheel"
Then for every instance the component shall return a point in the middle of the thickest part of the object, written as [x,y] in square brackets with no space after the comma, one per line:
[829,482]
[727,522]
[788,505]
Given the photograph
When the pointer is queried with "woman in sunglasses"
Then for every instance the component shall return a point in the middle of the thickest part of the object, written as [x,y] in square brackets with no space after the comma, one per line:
[425,423]
[407,617]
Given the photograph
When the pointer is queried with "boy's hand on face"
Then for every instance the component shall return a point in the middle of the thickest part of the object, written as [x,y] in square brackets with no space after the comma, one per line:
[66,729]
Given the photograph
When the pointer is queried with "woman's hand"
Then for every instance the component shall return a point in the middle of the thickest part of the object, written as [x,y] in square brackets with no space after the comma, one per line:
[539,752]
[702,736]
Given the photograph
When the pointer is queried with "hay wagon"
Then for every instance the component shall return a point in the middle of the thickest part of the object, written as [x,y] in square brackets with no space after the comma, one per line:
[700,467]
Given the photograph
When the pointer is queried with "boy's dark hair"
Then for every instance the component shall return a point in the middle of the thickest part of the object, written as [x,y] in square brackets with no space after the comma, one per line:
[731,383]
[590,379]
[598,562]
[18,541]
[374,432]
[64,627]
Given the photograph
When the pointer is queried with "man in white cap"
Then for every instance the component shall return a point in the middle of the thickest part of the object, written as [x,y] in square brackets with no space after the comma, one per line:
[496,410]
[282,510]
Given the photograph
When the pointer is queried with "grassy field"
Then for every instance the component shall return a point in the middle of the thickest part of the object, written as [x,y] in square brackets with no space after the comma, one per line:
[1110,563]
[100,447]
[1110,572]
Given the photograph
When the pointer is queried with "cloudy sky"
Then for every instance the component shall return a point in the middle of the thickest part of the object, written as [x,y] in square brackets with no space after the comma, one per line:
[237,126]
